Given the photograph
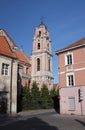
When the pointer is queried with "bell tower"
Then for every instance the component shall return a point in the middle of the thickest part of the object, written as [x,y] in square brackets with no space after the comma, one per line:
[41,58]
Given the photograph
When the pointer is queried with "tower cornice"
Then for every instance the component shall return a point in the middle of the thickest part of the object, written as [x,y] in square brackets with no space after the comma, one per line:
[40,52]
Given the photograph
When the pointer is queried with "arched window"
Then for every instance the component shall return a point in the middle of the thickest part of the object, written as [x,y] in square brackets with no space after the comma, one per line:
[38,46]
[39,33]
[38,64]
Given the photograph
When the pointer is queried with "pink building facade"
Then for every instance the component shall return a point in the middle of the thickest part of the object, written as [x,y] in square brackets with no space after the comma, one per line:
[69,101]
[71,70]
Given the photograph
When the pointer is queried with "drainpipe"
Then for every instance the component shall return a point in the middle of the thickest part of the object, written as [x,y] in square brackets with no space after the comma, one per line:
[11,87]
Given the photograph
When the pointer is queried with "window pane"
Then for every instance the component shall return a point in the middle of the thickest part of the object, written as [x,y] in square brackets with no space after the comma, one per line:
[6,72]
[38,47]
[38,64]
[4,69]
[2,72]
[70,80]
[69,59]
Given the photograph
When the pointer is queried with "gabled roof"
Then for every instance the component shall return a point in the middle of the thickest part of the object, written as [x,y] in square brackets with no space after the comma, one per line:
[9,39]
[22,56]
[5,48]
[75,45]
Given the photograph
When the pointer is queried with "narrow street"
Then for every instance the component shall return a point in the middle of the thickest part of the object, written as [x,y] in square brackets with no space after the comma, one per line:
[42,120]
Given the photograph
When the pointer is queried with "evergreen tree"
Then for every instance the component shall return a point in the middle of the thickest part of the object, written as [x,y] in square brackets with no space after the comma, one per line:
[54,93]
[35,96]
[44,96]
[35,99]
[26,98]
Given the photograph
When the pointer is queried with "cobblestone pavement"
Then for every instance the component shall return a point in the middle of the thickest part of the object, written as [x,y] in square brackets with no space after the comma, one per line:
[42,120]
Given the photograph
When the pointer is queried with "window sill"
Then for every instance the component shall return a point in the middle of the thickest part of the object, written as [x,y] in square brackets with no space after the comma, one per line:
[71,110]
[69,65]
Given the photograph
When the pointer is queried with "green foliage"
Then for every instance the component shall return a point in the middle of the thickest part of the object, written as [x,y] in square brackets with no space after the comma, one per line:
[44,96]
[35,99]
[53,92]
[57,91]
[35,96]
[26,98]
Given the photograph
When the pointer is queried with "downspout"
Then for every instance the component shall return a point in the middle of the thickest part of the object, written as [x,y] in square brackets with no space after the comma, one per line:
[11,87]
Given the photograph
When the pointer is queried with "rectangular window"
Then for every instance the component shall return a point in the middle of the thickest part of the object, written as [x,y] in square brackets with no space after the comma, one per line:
[38,46]
[70,80]
[71,103]
[38,64]
[69,59]
[4,69]
[49,65]
[39,33]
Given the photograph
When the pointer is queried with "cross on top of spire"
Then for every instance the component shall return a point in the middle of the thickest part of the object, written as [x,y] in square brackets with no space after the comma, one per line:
[42,22]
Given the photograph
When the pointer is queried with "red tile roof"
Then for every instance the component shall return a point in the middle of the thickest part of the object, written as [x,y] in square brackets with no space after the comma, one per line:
[4,33]
[77,44]
[22,56]
[5,48]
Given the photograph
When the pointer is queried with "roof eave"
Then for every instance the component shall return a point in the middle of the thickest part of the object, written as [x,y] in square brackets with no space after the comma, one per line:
[67,49]
[12,57]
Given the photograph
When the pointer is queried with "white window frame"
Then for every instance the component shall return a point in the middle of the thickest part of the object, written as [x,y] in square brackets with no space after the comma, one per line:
[66,60]
[5,69]
[67,80]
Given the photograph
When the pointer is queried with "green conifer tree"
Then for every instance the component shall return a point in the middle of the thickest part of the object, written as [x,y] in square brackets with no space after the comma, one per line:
[35,96]
[26,98]
[44,96]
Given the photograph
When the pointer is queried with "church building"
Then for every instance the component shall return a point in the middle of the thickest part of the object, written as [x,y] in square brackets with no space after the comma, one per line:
[41,57]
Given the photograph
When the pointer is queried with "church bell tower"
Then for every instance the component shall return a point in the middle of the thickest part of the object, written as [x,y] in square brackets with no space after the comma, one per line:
[41,57]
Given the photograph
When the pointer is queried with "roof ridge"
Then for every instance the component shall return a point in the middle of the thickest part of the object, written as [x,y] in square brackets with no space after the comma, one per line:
[10,48]
[73,45]
[5,47]
[22,56]
[8,36]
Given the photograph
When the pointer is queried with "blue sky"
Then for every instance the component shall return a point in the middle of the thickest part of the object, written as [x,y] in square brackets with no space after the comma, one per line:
[65,20]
